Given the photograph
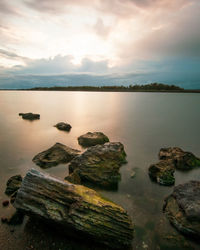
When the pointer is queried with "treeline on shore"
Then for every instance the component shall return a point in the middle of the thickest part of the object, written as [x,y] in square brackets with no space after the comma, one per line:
[153,87]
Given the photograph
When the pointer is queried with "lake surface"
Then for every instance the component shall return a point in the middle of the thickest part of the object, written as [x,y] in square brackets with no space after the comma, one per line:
[143,122]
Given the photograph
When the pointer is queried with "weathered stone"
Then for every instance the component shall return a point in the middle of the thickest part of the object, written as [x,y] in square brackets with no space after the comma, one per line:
[55,155]
[99,165]
[13,184]
[182,208]
[163,172]
[75,208]
[29,116]
[63,126]
[182,160]
[92,139]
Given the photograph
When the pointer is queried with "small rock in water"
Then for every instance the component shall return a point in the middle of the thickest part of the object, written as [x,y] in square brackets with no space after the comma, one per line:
[29,116]
[55,155]
[63,126]
[5,203]
[92,139]
[182,160]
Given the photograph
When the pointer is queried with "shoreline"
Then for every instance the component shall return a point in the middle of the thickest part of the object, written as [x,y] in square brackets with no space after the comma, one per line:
[106,90]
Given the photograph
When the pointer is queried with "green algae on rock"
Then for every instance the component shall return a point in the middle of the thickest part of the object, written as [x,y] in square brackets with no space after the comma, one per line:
[75,208]
[182,208]
[163,172]
[91,139]
[99,165]
[55,155]
[182,160]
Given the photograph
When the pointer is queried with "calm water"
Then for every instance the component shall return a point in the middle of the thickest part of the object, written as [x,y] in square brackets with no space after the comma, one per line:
[143,122]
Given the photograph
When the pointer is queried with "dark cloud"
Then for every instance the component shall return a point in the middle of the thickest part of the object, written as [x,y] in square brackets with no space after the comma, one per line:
[11,55]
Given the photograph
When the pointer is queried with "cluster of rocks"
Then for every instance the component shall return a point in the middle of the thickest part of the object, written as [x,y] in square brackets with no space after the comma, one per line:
[73,207]
[171,159]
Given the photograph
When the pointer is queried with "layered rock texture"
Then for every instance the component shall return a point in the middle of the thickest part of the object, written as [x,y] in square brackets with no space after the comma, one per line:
[75,208]
[92,139]
[98,165]
[29,116]
[63,126]
[55,155]
[171,159]
[182,208]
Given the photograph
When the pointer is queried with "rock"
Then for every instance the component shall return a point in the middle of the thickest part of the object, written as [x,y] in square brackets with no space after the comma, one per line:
[182,208]
[29,116]
[55,155]
[163,172]
[99,165]
[5,203]
[63,126]
[74,208]
[92,139]
[182,160]
[13,184]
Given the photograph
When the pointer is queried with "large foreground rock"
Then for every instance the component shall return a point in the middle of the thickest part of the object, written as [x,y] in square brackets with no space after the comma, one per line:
[13,184]
[182,160]
[163,172]
[91,139]
[98,165]
[182,208]
[55,155]
[63,126]
[29,116]
[75,208]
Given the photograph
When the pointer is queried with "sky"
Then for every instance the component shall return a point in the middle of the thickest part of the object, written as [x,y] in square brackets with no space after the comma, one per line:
[103,41]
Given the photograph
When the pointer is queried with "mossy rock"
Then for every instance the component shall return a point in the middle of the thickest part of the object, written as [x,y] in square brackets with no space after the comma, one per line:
[91,139]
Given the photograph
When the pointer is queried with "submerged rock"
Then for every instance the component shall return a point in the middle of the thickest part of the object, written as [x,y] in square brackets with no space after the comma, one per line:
[55,155]
[13,184]
[63,126]
[75,208]
[29,116]
[5,203]
[163,172]
[92,139]
[98,165]
[182,160]
[182,208]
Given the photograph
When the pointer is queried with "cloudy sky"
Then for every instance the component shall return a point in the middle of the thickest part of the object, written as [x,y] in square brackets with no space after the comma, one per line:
[100,37]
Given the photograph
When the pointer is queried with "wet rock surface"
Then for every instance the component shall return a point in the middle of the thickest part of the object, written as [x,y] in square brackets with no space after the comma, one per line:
[29,116]
[13,184]
[182,160]
[55,155]
[171,159]
[98,165]
[91,139]
[63,126]
[163,172]
[182,208]
[75,208]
